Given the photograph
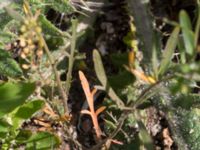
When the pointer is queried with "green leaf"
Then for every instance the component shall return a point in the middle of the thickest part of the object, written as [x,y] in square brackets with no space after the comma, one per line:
[101,75]
[99,69]
[53,35]
[28,109]
[182,50]
[188,37]
[145,137]
[48,27]
[25,112]
[168,51]
[13,95]
[8,66]
[42,141]
[185,20]
[4,126]
[188,34]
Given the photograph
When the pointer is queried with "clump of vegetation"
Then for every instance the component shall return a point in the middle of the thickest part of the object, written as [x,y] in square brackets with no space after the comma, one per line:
[62,86]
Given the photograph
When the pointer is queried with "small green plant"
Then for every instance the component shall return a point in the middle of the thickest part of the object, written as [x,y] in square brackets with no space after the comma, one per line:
[14,110]
[40,43]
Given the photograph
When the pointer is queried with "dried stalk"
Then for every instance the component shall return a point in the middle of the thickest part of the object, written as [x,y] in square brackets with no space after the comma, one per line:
[52,62]
[89,96]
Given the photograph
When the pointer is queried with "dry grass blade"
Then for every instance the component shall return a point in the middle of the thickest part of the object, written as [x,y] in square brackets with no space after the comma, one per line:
[87,91]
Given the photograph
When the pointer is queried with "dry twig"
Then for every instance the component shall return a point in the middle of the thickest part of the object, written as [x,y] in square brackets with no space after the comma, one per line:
[89,96]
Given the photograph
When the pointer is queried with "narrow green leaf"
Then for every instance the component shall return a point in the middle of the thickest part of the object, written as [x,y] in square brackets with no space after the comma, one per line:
[169,50]
[101,75]
[188,34]
[182,50]
[98,66]
[185,20]
[48,27]
[13,95]
[155,63]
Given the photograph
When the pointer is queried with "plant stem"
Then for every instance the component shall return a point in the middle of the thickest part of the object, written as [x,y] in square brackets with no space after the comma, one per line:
[52,62]
[71,57]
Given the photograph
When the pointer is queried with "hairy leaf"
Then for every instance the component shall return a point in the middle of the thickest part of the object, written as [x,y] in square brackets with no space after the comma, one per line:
[100,72]
[48,27]
[98,66]
[8,66]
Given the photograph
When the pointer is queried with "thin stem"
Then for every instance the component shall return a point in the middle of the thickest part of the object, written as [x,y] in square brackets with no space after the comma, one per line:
[71,57]
[52,62]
